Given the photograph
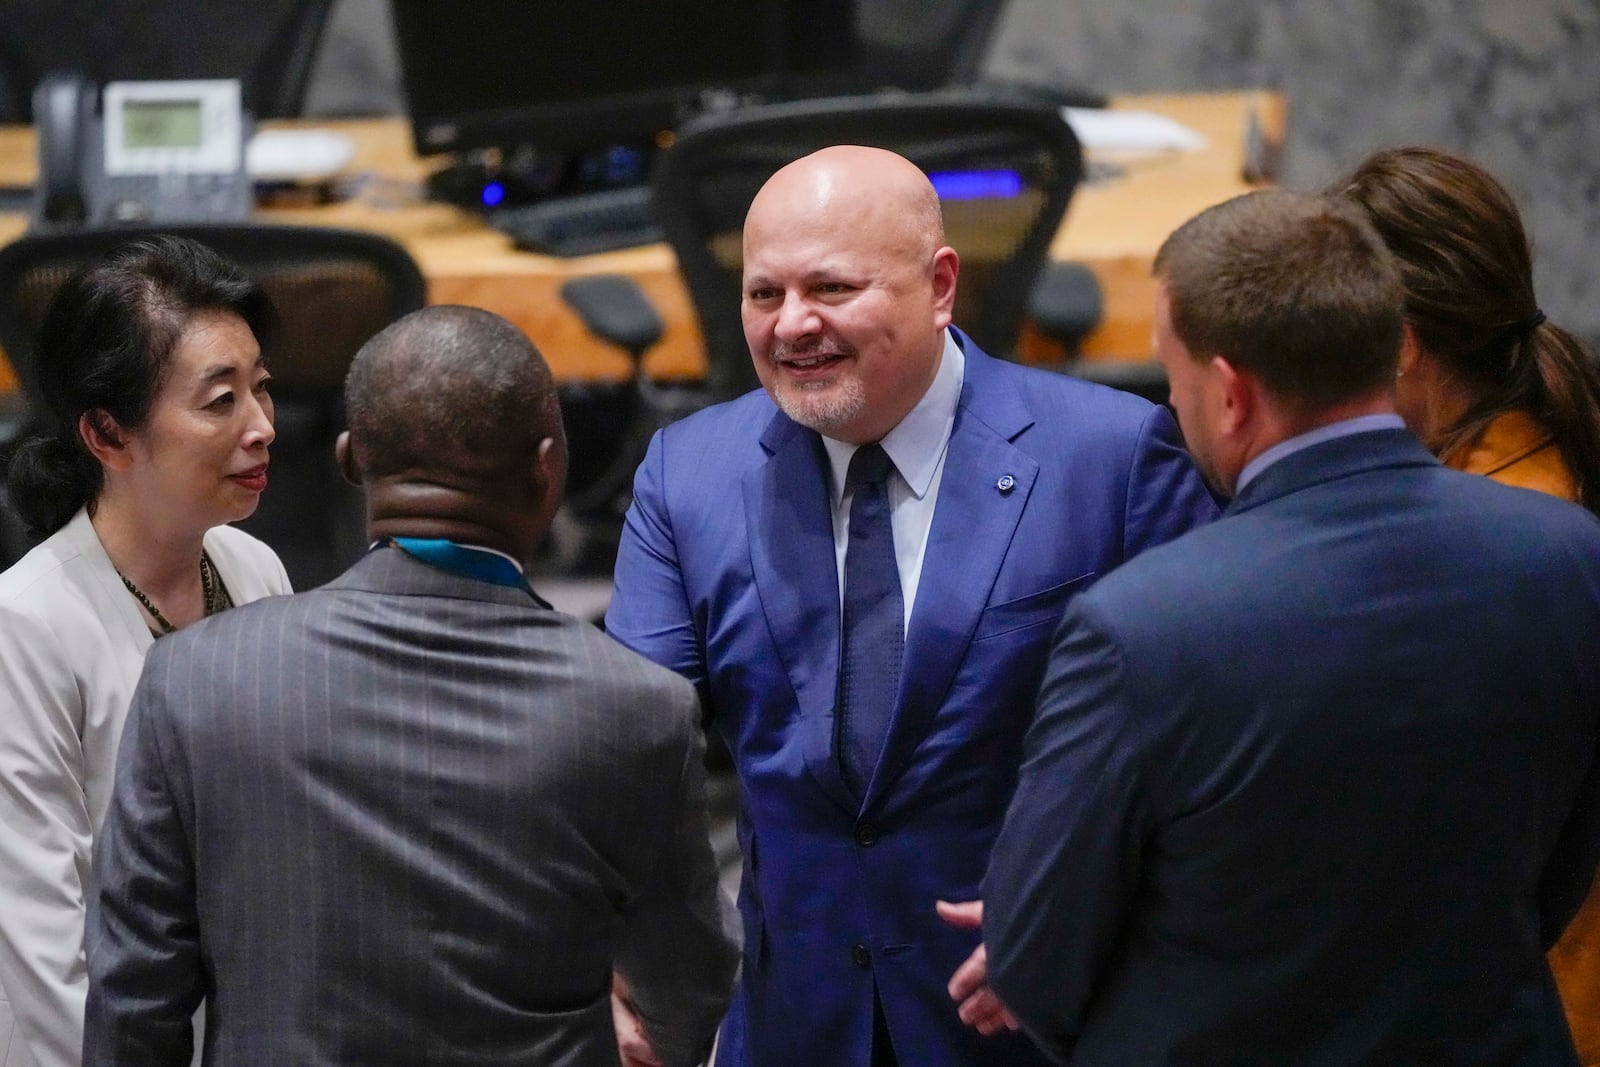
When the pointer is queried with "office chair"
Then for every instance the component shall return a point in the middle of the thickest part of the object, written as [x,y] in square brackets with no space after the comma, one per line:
[269,45]
[1065,305]
[609,424]
[1006,170]
[333,289]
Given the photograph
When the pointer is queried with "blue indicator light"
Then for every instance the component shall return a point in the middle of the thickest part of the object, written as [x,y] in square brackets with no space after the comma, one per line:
[624,166]
[493,194]
[976,184]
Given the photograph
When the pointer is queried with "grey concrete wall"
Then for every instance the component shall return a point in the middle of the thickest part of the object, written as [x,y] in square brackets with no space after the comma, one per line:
[358,69]
[1515,84]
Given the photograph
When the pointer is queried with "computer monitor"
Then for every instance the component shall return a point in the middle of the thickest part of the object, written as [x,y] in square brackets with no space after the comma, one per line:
[579,75]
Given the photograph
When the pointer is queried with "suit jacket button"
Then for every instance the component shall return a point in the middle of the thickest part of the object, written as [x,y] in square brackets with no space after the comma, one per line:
[866,834]
[861,956]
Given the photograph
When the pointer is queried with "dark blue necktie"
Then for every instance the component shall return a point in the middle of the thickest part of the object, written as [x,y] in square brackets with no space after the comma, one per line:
[874,619]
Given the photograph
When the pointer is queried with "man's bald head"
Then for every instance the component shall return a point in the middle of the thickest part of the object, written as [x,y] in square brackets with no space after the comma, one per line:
[456,394]
[884,194]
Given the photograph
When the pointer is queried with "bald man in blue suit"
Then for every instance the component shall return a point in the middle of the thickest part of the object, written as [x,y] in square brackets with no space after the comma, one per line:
[1009,490]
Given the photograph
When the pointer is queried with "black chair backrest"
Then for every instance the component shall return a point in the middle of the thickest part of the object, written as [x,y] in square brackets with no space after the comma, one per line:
[269,45]
[333,289]
[705,182]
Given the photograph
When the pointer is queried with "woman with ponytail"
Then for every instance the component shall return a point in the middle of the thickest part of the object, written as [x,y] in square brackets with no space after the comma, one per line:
[1486,380]
[150,369]
[1493,388]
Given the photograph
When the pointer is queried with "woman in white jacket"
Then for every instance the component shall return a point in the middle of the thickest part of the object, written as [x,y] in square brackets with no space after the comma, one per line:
[150,364]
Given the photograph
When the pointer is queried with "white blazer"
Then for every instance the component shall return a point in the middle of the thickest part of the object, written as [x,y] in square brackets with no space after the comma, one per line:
[72,642]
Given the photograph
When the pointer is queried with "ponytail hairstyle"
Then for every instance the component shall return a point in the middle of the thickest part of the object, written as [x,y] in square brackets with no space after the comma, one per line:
[103,353]
[1468,274]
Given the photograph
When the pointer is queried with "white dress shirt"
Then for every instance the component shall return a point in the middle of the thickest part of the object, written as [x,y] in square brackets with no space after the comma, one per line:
[917,446]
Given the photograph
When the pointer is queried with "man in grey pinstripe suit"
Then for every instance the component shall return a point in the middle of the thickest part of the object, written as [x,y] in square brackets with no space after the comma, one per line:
[415,816]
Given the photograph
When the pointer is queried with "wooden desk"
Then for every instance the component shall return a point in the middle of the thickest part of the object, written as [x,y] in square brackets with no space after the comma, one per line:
[1114,228]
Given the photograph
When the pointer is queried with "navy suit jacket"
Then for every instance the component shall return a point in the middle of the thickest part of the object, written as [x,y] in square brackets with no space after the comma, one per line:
[1316,784]
[727,575]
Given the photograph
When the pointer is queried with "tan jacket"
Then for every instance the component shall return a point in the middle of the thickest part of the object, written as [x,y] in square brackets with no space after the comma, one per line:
[1516,450]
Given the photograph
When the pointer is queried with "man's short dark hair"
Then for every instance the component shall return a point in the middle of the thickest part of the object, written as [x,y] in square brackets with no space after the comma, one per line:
[1295,288]
[451,390]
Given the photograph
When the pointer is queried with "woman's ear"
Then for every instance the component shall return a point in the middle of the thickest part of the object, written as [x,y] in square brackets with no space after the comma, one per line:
[104,439]
[1410,351]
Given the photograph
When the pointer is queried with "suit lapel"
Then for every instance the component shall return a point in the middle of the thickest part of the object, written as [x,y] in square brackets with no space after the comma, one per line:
[973,523]
[790,528]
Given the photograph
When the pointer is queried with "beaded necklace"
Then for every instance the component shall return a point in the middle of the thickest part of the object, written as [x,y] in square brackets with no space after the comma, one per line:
[212,590]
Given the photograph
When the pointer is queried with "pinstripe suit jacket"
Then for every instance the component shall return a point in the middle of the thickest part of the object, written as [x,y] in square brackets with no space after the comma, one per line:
[406,818]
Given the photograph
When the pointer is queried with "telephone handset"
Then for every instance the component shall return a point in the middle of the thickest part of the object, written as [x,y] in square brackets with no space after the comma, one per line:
[63,119]
[158,152]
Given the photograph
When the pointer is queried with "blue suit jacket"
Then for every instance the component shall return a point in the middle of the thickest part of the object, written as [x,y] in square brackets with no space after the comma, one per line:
[726,573]
[1316,784]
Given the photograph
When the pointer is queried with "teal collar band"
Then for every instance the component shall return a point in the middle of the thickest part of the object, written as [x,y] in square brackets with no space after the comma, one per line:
[468,561]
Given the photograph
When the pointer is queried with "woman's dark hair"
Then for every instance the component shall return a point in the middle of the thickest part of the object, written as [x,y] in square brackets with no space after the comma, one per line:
[105,349]
[1468,273]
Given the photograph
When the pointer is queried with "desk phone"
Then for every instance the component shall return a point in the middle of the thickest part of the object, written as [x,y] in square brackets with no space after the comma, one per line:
[158,152]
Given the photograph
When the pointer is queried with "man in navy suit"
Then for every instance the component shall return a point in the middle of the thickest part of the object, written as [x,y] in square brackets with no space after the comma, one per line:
[1316,784]
[874,695]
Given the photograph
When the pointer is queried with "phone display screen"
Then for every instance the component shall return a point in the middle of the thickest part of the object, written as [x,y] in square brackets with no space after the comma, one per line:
[161,124]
